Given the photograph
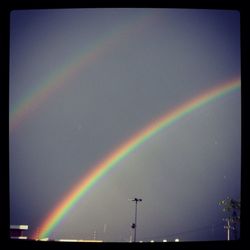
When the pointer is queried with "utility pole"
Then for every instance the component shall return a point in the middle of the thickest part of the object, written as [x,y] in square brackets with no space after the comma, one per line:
[231,206]
[134,225]
[228,227]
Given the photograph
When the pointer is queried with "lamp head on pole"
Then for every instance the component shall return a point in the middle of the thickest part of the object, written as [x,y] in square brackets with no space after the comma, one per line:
[136,199]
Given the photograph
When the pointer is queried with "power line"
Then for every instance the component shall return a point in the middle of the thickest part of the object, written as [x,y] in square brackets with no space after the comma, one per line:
[211,226]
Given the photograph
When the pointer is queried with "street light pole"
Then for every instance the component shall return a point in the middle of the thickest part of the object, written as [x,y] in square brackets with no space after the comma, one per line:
[134,225]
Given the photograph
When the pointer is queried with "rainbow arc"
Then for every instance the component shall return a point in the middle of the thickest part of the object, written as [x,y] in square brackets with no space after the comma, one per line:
[118,154]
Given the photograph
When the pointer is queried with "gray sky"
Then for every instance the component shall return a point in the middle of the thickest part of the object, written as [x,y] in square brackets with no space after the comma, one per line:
[144,63]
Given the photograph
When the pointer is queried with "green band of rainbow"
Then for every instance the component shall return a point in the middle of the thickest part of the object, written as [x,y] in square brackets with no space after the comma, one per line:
[125,149]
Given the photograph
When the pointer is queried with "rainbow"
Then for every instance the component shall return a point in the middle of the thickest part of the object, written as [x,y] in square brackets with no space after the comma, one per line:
[61,77]
[112,159]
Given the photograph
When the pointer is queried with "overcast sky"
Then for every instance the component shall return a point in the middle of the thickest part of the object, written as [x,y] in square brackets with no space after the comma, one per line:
[131,66]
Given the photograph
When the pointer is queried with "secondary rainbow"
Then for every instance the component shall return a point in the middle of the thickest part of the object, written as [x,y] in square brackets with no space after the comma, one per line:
[111,160]
[62,77]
